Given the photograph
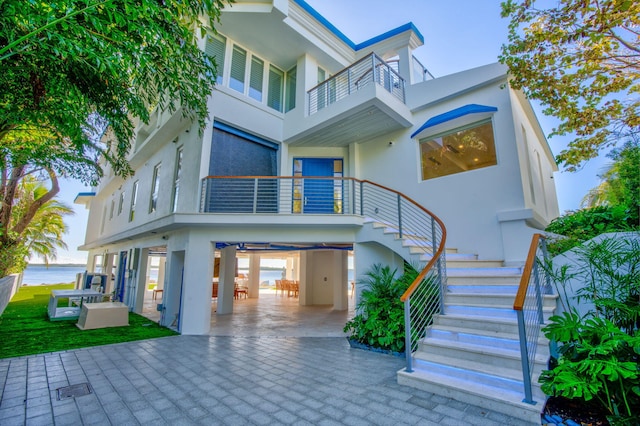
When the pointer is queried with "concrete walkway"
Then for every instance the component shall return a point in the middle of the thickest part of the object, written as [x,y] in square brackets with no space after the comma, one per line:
[210,380]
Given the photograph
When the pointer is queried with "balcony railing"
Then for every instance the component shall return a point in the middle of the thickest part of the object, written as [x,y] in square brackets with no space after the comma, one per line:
[369,70]
[535,283]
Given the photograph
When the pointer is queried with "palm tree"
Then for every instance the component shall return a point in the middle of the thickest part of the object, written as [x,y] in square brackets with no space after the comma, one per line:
[44,233]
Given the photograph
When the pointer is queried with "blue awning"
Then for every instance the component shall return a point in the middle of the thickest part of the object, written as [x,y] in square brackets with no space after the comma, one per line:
[453,114]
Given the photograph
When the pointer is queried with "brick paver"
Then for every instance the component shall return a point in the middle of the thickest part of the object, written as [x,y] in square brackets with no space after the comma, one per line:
[207,380]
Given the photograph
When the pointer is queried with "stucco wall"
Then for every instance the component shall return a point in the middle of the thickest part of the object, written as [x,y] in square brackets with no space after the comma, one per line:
[9,286]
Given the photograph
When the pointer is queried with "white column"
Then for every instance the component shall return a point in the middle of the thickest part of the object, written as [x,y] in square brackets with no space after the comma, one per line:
[161,270]
[227,280]
[340,284]
[140,285]
[254,275]
[196,288]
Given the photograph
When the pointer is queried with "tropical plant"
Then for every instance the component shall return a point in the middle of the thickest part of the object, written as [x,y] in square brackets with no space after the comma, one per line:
[580,59]
[380,319]
[598,362]
[600,351]
[39,236]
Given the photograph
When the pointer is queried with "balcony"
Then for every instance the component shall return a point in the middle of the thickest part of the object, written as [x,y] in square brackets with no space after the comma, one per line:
[361,102]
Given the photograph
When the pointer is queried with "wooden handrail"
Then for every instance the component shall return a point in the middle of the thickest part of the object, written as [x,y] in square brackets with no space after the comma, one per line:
[526,273]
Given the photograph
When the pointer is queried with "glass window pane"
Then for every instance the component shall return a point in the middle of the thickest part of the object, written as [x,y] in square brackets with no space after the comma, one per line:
[274,99]
[238,68]
[176,180]
[462,150]
[134,199]
[155,189]
[255,80]
[215,47]
[291,89]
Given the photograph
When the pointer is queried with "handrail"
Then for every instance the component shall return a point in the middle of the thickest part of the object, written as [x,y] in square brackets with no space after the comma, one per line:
[528,305]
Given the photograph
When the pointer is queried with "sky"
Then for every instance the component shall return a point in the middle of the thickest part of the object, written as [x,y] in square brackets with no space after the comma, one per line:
[458,35]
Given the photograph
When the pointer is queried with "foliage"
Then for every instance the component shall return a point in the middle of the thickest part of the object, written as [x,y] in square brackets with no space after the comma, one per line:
[599,352]
[581,60]
[380,319]
[582,225]
[620,184]
[599,361]
[26,330]
[73,68]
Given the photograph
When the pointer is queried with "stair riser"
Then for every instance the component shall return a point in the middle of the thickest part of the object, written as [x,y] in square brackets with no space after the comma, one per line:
[486,356]
[492,342]
[489,300]
[529,415]
[487,311]
[489,280]
[510,289]
[453,263]
[496,327]
[498,371]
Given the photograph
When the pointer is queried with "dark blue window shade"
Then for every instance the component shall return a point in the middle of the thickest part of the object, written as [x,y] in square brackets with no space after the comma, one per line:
[234,155]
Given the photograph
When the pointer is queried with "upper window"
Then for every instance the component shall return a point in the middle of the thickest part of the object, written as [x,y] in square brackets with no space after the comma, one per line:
[255,78]
[467,148]
[215,47]
[238,68]
[176,180]
[155,189]
[290,87]
[276,89]
[134,199]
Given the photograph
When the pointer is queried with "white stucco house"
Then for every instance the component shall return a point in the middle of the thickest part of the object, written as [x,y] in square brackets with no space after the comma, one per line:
[296,99]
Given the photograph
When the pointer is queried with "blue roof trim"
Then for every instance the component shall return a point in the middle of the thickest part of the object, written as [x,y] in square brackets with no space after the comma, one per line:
[346,40]
[406,27]
[226,128]
[84,194]
[453,114]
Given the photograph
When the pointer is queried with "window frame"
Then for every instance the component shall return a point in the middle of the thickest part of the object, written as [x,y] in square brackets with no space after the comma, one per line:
[155,188]
[134,199]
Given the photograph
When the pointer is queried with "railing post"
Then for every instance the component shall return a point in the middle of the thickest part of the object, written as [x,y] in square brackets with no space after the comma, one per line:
[526,373]
[434,249]
[255,195]
[361,198]
[400,216]
[408,349]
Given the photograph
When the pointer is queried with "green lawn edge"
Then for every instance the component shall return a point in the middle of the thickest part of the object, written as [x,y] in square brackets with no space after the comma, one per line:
[25,328]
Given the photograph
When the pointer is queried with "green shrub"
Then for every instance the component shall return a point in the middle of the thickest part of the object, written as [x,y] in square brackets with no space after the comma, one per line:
[600,352]
[582,225]
[380,319]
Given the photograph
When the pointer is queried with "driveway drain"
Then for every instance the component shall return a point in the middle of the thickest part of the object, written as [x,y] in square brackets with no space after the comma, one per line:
[72,391]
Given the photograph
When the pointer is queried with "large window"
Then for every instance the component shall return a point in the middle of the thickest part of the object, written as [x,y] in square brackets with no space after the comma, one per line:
[176,180]
[155,189]
[468,148]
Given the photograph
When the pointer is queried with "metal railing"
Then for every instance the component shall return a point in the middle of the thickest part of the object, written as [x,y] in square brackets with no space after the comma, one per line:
[528,305]
[368,70]
[420,72]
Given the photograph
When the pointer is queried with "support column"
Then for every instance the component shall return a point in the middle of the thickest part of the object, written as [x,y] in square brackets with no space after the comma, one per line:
[340,281]
[254,275]
[140,285]
[161,269]
[227,280]
[196,287]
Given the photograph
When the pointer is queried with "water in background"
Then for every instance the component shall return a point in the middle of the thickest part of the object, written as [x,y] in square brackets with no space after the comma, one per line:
[54,274]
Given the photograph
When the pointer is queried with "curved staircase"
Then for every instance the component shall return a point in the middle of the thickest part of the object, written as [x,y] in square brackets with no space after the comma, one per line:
[471,351]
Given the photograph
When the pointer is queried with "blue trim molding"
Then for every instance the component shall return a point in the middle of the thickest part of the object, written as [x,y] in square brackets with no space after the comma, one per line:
[321,19]
[248,136]
[453,114]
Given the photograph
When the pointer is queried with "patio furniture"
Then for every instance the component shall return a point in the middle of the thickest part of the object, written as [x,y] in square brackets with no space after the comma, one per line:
[68,312]
[102,315]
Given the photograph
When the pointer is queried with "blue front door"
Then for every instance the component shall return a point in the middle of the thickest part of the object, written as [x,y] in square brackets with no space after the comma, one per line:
[318,193]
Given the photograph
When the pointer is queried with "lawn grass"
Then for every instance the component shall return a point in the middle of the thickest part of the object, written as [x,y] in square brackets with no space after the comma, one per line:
[25,328]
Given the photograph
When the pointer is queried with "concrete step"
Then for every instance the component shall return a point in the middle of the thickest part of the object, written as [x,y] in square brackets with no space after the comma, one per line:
[483,299]
[502,340]
[493,311]
[478,367]
[495,325]
[483,280]
[503,271]
[493,398]
[495,356]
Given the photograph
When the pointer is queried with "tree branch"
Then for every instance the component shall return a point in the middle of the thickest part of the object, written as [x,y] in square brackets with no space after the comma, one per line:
[25,220]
